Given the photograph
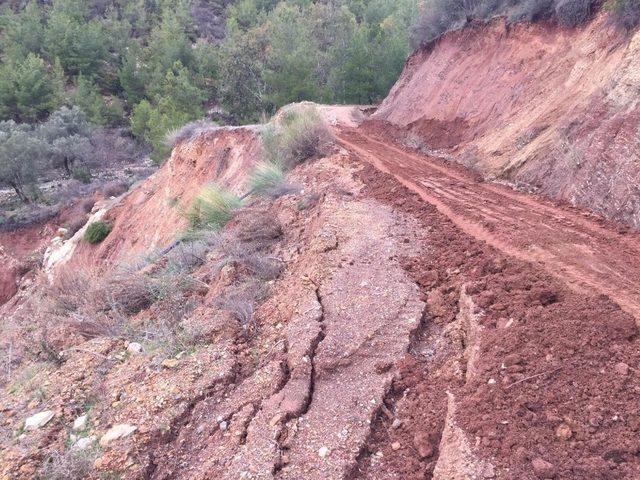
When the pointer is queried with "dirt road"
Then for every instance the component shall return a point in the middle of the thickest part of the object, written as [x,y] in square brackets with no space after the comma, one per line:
[580,249]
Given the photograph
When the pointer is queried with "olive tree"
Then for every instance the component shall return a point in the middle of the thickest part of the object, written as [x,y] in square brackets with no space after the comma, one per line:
[20,153]
[67,133]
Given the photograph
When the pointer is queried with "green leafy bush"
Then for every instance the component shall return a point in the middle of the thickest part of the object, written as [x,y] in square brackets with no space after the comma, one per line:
[97,231]
[213,208]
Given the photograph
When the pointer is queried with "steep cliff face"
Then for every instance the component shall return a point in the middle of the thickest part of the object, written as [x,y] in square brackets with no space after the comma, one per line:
[551,108]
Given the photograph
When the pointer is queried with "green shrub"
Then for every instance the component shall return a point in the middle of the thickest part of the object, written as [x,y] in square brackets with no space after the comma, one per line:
[213,208]
[82,175]
[97,231]
[299,135]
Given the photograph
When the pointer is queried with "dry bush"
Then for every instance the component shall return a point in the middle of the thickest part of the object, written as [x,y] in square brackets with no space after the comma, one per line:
[240,301]
[438,17]
[113,147]
[72,290]
[191,254]
[188,132]
[300,135]
[257,226]
[28,215]
[247,245]
[74,224]
[68,465]
[441,16]
[130,293]
[251,261]
[95,325]
[572,12]
[114,189]
[86,204]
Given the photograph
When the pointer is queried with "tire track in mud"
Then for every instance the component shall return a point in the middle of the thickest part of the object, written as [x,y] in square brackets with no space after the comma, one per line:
[582,253]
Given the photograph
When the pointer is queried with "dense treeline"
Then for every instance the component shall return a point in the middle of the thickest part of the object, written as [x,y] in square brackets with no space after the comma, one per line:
[153,65]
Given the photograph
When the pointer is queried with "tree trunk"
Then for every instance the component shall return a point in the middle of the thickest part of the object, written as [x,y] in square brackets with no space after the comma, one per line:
[18,189]
[67,167]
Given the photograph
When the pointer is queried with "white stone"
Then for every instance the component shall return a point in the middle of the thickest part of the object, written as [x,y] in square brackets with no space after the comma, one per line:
[85,442]
[116,432]
[323,452]
[80,422]
[38,420]
[134,347]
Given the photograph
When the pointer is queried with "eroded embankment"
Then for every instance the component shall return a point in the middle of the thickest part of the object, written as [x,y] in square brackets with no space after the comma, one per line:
[289,393]
[150,216]
[545,107]
[512,375]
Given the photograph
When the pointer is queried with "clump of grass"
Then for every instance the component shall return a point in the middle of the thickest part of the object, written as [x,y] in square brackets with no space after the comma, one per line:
[213,208]
[97,231]
[300,135]
[269,180]
[265,178]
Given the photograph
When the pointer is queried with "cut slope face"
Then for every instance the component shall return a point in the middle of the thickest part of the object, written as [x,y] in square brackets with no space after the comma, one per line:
[552,108]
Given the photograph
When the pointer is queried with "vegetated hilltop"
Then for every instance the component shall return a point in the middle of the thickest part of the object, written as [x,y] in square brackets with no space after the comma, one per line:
[540,105]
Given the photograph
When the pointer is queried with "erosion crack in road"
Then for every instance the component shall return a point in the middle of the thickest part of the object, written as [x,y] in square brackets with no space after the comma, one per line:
[570,244]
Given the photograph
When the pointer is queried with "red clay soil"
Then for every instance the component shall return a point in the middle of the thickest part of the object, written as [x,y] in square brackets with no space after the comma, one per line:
[552,107]
[589,254]
[554,389]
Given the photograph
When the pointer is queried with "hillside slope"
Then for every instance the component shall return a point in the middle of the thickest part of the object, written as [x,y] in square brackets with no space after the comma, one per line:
[542,107]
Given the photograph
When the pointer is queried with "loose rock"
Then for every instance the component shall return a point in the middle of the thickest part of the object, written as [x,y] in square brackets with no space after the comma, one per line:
[134,348]
[38,420]
[116,432]
[543,469]
[621,369]
[84,443]
[80,423]
[423,445]
[170,363]
[564,432]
